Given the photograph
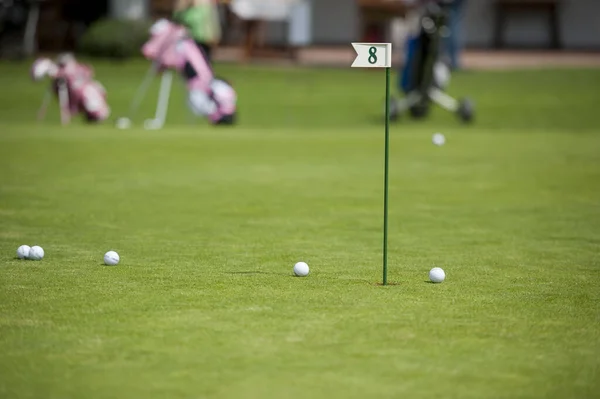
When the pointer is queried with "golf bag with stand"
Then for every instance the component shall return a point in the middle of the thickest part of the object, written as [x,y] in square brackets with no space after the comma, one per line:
[75,88]
[171,49]
[425,76]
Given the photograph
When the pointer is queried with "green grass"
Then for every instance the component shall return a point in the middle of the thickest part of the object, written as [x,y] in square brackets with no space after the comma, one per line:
[209,222]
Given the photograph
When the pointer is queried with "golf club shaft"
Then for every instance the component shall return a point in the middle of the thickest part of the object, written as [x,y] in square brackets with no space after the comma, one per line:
[163,97]
[146,83]
[143,88]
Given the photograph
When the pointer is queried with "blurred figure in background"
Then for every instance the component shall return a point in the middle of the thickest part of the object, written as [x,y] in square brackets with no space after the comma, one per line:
[201,18]
[170,47]
[453,44]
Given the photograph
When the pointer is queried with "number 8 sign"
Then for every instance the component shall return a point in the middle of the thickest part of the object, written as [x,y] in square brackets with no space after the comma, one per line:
[379,55]
[372,55]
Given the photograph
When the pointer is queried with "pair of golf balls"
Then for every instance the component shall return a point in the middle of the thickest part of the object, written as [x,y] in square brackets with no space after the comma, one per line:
[32,253]
[436,275]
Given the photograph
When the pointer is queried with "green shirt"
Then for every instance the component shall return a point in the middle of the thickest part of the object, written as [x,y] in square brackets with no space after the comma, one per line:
[201,22]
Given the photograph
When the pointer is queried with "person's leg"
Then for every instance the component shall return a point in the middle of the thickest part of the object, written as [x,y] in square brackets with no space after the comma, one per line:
[407,75]
[188,71]
[206,50]
[454,41]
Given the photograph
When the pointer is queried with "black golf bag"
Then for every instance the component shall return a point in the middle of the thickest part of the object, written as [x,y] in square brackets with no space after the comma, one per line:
[424,75]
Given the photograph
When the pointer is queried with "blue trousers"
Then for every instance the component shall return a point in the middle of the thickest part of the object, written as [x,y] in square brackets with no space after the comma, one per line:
[453,44]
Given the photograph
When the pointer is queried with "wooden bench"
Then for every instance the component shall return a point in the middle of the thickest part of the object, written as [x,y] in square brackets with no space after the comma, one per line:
[506,7]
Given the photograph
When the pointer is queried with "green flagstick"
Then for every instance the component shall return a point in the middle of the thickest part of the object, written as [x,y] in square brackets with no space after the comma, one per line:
[379,55]
[385,173]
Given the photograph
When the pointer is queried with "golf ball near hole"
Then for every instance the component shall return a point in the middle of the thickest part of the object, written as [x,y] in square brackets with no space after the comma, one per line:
[301,269]
[36,253]
[23,251]
[437,275]
[438,139]
[111,258]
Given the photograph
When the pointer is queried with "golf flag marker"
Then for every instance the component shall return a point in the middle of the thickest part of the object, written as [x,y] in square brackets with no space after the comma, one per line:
[379,55]
[372,55]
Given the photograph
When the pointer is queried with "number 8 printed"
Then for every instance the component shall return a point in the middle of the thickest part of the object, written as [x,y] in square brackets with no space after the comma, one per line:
[373,55]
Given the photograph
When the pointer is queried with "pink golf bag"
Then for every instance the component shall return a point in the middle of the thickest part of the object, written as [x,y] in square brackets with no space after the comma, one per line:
[170,48]
[73,84]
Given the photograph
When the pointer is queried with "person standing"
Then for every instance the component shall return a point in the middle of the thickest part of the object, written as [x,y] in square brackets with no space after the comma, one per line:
[454,42]
[201,19]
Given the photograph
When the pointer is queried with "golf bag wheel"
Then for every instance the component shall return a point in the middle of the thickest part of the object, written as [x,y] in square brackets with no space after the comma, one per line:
[419,110]
[465,110]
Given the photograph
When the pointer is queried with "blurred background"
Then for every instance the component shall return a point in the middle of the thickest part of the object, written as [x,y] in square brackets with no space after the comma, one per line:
[208,219]
[311,31]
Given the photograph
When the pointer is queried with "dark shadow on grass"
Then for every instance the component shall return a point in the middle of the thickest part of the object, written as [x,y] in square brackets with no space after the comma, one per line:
[257,273]
[389,284]
[248,273]
[16,258]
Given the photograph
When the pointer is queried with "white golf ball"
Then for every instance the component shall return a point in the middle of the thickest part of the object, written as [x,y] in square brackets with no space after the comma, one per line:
[36,253]
[111,258]
[437,275]
[123,123]
[301,269]
[23,251]
[438,139]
